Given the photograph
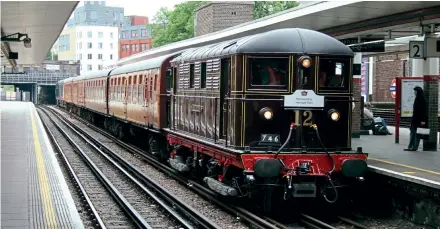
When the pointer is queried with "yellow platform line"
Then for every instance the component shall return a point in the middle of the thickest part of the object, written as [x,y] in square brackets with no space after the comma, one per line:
[42,176]
[406,166]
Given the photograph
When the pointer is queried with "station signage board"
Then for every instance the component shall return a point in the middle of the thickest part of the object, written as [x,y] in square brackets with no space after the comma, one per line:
[357,46]
[303,99]
[393,88]
[408,96]
[430,47]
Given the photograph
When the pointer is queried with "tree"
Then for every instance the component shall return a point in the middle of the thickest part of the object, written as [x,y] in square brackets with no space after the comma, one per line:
[174,25]
[51,55]
[266,8]
[178,24]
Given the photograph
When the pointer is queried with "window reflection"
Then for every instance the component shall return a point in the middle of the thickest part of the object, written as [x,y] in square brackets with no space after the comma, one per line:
[269,71]
[333,74]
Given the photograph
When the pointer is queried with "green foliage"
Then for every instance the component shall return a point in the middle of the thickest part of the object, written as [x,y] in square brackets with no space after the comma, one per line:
[178,24]
[266,8]
[49,56]
[174,25]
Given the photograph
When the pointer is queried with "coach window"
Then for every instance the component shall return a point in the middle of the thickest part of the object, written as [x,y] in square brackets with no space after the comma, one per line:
[118,89]
[140,89]
[112,89]
[155,82]
[151,88]
[203,76]
[269,71]
[129,89]
[135,89]
[333,74]
[146,86]
[191,76]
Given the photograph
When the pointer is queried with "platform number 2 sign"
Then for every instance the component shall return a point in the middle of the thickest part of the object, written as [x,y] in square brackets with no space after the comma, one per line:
[416,49]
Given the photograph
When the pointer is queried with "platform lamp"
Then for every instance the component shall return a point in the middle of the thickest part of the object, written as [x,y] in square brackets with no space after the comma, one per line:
[17,37]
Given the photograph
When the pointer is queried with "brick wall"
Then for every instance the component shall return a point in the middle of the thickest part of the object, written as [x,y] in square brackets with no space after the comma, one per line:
[128,43]
[139,20]
[431,87]
[231,14]
[203,20]
[217,16]
[387,67]
[356,114]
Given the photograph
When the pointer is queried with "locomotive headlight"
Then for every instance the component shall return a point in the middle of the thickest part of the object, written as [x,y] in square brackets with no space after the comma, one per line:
[266,113]
[305,61]
[334,114]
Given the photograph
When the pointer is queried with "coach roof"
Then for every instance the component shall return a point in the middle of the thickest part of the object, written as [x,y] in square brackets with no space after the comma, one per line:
[142,65]
[97,74]
[290,40]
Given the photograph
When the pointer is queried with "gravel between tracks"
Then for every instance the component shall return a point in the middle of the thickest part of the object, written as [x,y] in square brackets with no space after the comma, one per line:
[147,208]
[394,222]
[108,210]
[221,218]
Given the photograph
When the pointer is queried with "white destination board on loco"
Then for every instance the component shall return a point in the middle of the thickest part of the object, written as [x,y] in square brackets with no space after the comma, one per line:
[408,96]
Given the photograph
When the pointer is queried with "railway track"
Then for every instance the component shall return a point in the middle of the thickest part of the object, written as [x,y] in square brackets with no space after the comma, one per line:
[243,214]
[144,159]
[145,204]
[93,217]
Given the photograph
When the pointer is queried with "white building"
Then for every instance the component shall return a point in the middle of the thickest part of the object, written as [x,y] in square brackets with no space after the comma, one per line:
[94,46]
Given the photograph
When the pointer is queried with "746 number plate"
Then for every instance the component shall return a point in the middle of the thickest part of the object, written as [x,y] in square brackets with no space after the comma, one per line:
[270,138]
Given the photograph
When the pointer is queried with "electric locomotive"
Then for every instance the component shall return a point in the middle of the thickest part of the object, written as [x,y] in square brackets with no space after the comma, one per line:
[263,116]
[267,111]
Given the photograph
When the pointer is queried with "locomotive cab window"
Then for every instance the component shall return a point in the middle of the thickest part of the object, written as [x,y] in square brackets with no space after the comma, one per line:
[268,71]
[333,74]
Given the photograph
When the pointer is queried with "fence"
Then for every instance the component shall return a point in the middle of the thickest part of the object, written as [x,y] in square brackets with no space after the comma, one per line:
[41,77]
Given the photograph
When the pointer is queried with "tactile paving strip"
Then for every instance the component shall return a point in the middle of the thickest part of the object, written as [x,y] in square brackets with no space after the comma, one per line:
[62,212]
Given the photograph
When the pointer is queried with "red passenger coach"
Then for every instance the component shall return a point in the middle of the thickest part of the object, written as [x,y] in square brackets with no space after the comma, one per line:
[96,92]
[67,90]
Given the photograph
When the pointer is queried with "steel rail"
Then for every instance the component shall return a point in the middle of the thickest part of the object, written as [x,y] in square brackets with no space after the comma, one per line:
[99,223]
[206,193]
[351,222]
[119,198]
[171,198]
[315,223]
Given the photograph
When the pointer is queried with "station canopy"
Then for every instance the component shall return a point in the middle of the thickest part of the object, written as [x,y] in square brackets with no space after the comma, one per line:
[384,20]
[41,21]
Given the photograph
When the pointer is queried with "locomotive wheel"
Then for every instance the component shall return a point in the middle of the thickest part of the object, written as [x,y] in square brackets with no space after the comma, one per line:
[120,131]
[267,200]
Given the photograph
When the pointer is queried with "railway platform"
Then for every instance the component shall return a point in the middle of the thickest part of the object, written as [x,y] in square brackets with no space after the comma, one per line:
[34,193]
[388,158]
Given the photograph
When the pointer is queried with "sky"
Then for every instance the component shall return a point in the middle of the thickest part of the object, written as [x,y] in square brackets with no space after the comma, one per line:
[142,8]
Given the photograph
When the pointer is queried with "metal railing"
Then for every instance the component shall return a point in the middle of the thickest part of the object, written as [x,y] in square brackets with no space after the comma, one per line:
[41,77]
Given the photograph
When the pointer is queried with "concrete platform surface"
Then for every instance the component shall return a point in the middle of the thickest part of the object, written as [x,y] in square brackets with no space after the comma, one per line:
[388,158]
[34,193]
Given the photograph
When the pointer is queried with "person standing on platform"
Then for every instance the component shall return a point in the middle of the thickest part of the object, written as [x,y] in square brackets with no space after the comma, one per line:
[419,118]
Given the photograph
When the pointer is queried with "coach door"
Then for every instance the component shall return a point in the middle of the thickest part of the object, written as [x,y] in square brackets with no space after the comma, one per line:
[224,92]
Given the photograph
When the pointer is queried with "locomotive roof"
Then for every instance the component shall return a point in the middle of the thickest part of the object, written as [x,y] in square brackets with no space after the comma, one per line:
[142,65]
[290,40]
